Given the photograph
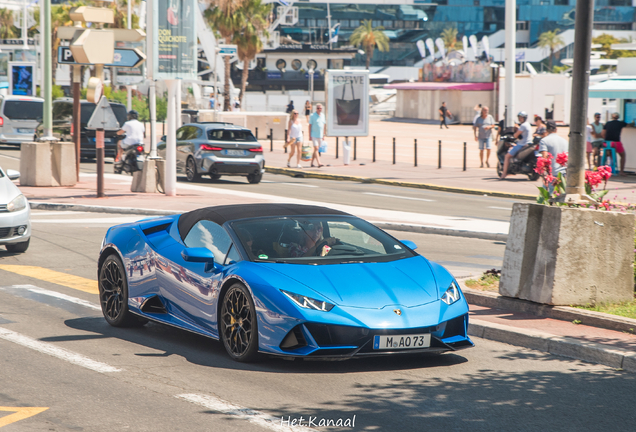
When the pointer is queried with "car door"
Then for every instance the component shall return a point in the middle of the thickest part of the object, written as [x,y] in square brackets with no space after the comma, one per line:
[193,292]
[185,146]
[161,146]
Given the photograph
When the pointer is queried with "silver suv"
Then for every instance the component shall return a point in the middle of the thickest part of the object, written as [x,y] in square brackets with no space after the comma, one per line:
[217,149]
[19,116]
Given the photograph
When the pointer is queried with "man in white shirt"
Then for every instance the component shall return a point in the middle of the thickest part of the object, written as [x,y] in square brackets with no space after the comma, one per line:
[524,134]
[135,133]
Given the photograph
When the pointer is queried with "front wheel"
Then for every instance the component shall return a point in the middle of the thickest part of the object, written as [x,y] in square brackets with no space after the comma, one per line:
[533,176]
[18,247]
[113,294]
[254,178]
[237,324]
[191,170]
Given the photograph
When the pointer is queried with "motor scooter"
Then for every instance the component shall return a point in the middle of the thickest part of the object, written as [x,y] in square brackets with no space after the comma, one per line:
[132,160]
[524,162]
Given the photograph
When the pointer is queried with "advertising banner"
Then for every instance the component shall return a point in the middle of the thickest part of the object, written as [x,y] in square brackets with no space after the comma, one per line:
[174,40]
[347,95]
[22,79]
[467,72]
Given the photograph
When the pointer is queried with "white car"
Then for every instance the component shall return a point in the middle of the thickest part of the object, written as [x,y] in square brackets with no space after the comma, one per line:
[15,215]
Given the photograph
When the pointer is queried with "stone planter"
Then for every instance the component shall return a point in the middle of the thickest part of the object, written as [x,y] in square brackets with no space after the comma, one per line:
[568,256]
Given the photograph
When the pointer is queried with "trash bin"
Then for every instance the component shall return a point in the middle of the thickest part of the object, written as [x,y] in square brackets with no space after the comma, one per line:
[346,152]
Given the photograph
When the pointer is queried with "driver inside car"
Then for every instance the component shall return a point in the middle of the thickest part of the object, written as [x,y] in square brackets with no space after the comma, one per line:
[311,242]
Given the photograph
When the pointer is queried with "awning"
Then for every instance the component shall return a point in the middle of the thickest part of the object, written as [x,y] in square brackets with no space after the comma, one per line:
[442,86]
[614,89]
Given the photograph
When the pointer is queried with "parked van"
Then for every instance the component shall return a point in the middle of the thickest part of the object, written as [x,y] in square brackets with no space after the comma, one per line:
[19,117]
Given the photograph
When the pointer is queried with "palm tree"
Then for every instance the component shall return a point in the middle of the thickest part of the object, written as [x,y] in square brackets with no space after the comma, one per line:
[223,18]
[370,37]
[7,29]
[449,36]
[552,41]
[120,10]
[253,15]
[60,16]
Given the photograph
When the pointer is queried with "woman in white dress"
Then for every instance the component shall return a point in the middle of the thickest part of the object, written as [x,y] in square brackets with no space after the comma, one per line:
[295,140]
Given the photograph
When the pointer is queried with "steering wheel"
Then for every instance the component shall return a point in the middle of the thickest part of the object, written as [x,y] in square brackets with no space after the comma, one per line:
[322,244]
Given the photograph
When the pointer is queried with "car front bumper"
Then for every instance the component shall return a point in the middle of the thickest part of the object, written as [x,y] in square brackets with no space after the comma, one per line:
[9,224]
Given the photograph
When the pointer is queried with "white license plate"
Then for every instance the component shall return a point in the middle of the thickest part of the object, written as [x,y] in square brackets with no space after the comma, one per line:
[26,131]
[234,152]
[413,341]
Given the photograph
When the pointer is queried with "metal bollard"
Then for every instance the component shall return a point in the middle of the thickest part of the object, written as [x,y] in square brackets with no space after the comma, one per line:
[336,147]
[415,152]
[355,145]
[393,151]
[286,139]
[271,140]
[464,156]
[374,149]
[439,155]
[256,133]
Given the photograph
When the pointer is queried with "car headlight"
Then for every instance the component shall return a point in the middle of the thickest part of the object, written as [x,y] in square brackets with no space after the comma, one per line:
[308,302]
[18,203]
[452,294]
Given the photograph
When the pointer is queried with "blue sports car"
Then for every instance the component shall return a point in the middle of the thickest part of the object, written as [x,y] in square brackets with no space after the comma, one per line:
[281,279]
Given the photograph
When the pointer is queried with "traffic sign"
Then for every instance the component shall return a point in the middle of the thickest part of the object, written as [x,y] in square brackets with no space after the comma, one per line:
[227,50]
[103,117]
[94,46]
[123,57]
[93,14]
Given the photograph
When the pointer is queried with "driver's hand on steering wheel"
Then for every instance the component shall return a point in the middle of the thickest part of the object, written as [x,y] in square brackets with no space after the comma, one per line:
[331,241]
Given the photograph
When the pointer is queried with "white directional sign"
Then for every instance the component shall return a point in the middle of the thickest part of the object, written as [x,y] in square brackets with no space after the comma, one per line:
[227,50]
[103,117]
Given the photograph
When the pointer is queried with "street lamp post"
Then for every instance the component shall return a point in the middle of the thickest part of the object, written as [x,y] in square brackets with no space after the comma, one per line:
[47,82]
[575,189]
[510,65]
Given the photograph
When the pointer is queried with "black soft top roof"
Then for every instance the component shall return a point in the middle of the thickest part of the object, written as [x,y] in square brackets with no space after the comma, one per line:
[222,214]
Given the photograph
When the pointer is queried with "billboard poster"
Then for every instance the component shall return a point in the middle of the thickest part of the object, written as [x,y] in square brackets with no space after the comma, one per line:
[347,95]
[467,72]
[22,79]
[174,39]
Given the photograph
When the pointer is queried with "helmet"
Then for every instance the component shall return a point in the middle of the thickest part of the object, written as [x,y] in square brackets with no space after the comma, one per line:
[133,114]
[522,114]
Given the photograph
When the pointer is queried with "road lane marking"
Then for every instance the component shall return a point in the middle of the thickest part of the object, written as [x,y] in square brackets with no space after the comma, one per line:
[59,278]
[397,196]
[55,294]
[61,353]
[290,184]
[19,413]
[501,208]
[256,417]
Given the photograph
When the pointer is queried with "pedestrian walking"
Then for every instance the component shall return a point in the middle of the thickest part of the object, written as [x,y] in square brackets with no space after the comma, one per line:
[307,110]
[295,140]
[555,145]
[290,107]
[443,113]
[612,133]
[484,124]
[317,131]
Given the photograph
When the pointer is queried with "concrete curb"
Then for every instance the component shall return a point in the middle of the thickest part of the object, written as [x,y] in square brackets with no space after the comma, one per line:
[36,205]
[565,313]
[309,174]
[556,345]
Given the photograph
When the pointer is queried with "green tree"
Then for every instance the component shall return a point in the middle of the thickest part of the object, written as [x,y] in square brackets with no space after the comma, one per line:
[253,16]
[7,29]
[552,41]
[370,37]
[606,41]
[223,18]
[449,36]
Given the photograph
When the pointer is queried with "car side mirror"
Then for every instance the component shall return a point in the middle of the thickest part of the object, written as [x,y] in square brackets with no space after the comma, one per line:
[13,174]
[201,255]
[409,244]
[163,138]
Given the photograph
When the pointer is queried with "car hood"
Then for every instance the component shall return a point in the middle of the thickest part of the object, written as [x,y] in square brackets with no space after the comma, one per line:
[8,190]
[406,282]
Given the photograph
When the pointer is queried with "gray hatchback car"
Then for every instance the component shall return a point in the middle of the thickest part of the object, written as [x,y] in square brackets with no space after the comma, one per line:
[217,149]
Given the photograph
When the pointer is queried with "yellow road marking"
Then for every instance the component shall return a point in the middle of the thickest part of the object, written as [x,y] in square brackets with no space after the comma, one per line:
[20,413]
[64,279]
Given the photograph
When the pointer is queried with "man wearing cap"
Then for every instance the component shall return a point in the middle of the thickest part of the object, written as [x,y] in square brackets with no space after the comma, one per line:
[597,136]
[553,144]
[524,136]
[612,133]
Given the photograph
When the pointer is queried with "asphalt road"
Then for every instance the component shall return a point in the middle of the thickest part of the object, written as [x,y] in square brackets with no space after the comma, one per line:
[157,378]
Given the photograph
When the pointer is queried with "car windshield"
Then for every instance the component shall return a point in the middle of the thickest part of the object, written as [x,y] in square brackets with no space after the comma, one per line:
[317,240]
[231,135]
[23,110]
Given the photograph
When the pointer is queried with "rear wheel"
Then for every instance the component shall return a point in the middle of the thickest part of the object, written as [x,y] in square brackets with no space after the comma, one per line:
[254,178]
[113,294]
[18,247]
[237,324]
[191,170]
[215,176]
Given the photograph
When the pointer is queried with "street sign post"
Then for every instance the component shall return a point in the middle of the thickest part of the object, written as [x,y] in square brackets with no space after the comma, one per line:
[122,57]
[103,119]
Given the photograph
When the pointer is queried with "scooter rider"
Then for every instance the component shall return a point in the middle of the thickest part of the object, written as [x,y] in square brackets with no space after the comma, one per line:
[524,135]
[135,133]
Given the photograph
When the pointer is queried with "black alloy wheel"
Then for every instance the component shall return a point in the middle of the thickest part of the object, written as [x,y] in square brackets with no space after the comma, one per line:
[238,327]
[191,170]
[215,177]
[113,294]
